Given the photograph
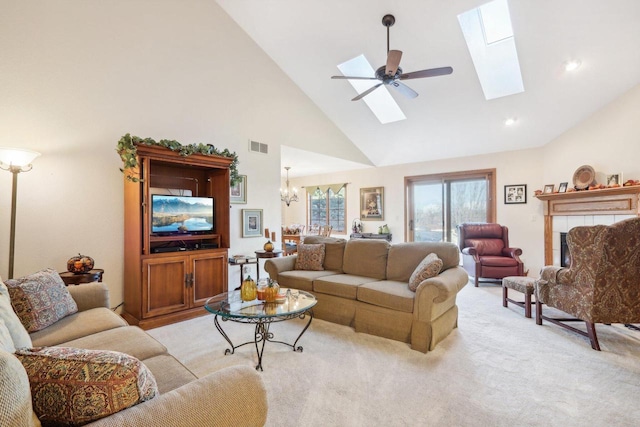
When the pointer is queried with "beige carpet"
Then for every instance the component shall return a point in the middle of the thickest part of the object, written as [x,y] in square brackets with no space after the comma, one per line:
[497,369]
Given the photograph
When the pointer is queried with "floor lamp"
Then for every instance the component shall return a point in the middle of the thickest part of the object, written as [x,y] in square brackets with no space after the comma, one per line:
[15,160]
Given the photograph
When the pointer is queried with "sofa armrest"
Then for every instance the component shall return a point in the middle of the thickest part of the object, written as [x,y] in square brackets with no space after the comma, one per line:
[230,397]
[275,266]
[438,289]
[470,251]
[90,295]
[512,252]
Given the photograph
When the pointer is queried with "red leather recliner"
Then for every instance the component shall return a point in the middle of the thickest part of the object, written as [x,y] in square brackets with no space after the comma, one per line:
[486,252]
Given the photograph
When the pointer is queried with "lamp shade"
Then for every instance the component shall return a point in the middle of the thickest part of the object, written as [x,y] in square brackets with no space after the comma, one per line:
[17,156]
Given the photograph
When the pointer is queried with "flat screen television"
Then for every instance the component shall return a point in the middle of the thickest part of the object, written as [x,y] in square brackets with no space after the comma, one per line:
[181,214]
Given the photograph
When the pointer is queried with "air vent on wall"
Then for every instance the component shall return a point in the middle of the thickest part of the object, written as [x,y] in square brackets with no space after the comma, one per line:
[258,147]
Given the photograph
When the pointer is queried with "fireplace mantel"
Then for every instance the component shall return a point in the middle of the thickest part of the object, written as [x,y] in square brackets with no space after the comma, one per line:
[607,201]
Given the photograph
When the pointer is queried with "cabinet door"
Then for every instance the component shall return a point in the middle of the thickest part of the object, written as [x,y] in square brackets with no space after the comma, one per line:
[164,285]
[209,276]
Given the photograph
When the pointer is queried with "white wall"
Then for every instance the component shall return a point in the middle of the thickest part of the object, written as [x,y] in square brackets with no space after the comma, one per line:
[78,74]
[609,140]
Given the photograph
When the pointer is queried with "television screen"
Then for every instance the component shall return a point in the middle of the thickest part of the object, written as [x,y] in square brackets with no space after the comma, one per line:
[181,214]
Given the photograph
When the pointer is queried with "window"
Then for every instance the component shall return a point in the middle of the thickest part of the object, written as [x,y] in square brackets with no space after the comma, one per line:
[436,204]
[327,208]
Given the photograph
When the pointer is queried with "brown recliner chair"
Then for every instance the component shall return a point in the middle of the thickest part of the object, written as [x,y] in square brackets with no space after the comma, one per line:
[602,284]
[486,252]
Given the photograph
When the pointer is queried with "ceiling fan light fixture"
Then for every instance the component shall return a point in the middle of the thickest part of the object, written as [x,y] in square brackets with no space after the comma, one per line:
[510,121]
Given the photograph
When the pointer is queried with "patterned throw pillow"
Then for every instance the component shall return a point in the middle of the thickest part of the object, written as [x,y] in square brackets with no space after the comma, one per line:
[72,386]
[310,257]
[429,267]
[40,299]
[19,334]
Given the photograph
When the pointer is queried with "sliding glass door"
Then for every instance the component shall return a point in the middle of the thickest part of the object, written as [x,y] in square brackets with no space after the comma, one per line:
[436,204]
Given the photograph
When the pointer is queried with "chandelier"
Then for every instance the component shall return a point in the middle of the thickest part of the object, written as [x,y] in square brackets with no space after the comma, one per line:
[285,195]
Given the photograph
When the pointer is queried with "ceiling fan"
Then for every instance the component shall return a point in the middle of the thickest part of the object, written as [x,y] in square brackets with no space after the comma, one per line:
[391,73]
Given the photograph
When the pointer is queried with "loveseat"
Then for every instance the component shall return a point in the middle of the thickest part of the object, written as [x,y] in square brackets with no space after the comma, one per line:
[231,396]
[365,284]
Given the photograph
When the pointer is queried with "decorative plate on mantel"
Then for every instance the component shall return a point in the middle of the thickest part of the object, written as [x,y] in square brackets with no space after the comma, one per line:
[583,177]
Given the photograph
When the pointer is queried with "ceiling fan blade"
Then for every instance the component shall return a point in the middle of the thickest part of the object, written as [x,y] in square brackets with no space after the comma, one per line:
[393,60]
[404,89]
[367,92]
[433,72]
[353,78]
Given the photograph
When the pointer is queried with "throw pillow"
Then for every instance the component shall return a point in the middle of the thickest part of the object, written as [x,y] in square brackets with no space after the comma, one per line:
[19,334]
[73,386]
[429,267]
[40,299]
[310,257]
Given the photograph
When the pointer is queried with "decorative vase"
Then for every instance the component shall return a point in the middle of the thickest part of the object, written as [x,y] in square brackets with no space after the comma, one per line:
[268,246]
[248,290]
[271,292]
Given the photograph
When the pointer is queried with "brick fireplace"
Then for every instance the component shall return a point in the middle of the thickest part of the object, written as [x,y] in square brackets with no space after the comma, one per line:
[563,211]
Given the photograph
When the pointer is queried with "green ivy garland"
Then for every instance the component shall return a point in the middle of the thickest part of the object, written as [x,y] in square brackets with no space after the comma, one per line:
[127,149]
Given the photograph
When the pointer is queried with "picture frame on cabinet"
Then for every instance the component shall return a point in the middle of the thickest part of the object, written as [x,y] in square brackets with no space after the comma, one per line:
[548,189]
[515,194]
[238,191]
[563,187]
[252,223]
[614,179]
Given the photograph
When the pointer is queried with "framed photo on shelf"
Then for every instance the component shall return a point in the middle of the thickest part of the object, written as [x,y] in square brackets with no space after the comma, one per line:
[614,178]
[251,222]
[515,194]
[548,189]
[238,191]
[372,204]
[563,187]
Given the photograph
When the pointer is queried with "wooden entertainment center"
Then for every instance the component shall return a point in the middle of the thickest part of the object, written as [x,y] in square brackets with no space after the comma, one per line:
[167,278]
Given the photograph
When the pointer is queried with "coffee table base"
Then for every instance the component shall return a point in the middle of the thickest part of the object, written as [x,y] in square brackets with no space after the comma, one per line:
[262,333]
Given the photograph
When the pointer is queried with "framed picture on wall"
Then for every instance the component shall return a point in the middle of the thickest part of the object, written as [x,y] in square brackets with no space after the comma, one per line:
[251,222]
[515,194]
[238,191]
[372,204]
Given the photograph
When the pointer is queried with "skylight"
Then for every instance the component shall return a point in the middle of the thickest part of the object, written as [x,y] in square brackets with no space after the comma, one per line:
[489,35]
[380,100]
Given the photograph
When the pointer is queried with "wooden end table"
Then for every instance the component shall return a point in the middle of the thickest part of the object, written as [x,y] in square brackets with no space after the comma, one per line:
[94,275]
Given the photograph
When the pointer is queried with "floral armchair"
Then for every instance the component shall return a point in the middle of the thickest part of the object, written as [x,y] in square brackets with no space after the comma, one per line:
[486,252]
[602,284]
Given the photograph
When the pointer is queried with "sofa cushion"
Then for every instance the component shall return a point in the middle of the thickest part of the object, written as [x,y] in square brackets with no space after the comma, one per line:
[428,268]
[366,257]
[498,261]
[78,325]
[15,404]
[169,372]
[333,251]
[71,386]
[6,342]
[301,279]
[405,257]
[19,334]
[129,339]
[389,294]
[310,257]
[340,285]
[40,299]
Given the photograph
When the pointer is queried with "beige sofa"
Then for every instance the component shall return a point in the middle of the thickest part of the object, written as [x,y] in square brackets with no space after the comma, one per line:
[229,397]
[364,284]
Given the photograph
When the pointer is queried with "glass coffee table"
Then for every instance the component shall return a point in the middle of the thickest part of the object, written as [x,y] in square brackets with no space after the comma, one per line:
[296,306]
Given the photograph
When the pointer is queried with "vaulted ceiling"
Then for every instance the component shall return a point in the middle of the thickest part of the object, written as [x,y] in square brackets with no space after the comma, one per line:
[450,117]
